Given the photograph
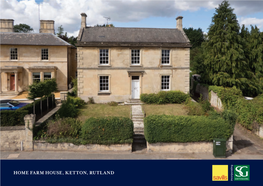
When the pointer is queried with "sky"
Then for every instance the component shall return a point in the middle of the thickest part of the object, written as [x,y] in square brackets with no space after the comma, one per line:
[127,13]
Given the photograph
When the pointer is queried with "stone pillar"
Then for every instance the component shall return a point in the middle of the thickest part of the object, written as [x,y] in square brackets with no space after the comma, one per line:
[29,123]
[41,76]
[53,75]
[0,82]
[16,82]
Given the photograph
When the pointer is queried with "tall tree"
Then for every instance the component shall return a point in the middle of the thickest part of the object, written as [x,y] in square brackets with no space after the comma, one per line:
[195,36]
[23,28]
[224,58]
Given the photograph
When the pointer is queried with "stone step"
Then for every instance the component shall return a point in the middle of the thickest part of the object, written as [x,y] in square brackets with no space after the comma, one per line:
[137,119]
[138,129]
[137,114]
[135,101]
[138,132]
[139,141]
[127,103]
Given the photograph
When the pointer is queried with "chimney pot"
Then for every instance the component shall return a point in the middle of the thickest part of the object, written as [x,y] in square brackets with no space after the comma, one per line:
[47,26]
[6,25]
[179,24]
[83,20]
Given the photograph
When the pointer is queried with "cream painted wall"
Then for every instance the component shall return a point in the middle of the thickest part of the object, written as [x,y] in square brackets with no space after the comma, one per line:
[29,56]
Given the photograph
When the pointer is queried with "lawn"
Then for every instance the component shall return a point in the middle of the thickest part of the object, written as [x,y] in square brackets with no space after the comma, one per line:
[169,109]
[101,110]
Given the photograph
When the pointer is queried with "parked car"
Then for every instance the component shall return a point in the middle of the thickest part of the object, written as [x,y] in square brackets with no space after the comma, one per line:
[11,104]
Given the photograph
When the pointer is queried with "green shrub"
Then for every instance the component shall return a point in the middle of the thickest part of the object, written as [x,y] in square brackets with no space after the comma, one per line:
[64,127]
[164,97]
[228,96]
[68,110]
[164,128]
[76,101]
[12,117]
[250,111]
[194,108]
[107,130]
[113,103]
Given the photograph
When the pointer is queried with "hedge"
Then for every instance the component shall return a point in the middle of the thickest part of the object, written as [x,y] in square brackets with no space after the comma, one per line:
[107,130]
[164,128]
[12,118]
[228,96]
[250,112]
[164,97]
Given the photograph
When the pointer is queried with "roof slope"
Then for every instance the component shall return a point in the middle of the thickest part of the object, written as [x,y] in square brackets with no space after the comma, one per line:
[132,35]
[13,38]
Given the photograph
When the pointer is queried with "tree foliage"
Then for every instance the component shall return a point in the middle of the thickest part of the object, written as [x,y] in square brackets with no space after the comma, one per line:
[23,28]
[195,36]
[72,40]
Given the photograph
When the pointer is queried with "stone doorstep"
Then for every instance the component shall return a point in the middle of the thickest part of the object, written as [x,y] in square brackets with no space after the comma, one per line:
[137,120]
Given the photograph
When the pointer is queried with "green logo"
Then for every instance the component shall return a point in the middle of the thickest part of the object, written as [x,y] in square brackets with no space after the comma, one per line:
[241,172]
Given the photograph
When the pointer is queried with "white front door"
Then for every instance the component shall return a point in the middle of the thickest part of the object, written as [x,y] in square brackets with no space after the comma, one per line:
[135,88]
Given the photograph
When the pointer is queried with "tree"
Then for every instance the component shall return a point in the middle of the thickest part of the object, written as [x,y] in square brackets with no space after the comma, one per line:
[60,30]
[23,28]
[72,40]
[224,58]
[195,36]
[36,90]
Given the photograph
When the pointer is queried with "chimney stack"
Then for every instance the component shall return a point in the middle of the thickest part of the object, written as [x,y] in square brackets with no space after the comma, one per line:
[83,20]
[6,25]
[179,24]
[47,26]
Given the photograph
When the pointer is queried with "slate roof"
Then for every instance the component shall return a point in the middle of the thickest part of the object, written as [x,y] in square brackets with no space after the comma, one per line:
[132,35]
[13,38]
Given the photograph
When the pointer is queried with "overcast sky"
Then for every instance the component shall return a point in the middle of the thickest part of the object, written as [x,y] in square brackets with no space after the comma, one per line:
[127,13]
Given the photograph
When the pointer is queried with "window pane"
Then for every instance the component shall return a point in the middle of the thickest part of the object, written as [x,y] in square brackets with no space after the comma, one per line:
[165,85]
[104,83]
[135,56]
[165,56]
[36,77]
[47,75]
[13,53]
[104,56]
[44,54]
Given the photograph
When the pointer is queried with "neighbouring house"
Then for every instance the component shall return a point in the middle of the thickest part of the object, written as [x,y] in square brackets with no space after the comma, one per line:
[119,64]
[31,57]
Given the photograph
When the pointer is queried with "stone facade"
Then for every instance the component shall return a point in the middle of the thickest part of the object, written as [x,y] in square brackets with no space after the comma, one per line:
[120,72]
[21,57]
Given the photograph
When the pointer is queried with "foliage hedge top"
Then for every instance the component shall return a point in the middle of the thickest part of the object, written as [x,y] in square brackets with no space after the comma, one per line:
[108,129]
[164,128]
[228,96]
[164,97]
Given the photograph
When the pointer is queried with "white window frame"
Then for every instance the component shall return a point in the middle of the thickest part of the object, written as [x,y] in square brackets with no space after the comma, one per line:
[166,56]
[13,53]
[100,61]
[44,55]
[47,78]
[165,82]
[135,64]
[100,76]
[36,78]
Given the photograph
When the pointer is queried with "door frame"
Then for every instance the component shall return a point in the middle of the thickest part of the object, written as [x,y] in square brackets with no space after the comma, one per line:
[139,86]
[12,82]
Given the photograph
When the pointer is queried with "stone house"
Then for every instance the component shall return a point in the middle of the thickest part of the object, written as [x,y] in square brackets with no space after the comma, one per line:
[119,64]
[29,57]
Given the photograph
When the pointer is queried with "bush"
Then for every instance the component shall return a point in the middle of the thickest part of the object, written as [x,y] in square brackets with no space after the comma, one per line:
[164,97]
[91,100]
[164,128]
[107,130]
[228,96]
[67,110]
[76,101]
[194,108]
[12,118]
[113,103]
[63,127]
[250,112]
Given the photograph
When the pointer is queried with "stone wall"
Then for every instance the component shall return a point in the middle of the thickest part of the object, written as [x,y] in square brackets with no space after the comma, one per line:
[216,101]
[18,137]
[43,146]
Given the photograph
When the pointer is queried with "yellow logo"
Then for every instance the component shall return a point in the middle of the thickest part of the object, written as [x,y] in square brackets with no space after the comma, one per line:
[219,172]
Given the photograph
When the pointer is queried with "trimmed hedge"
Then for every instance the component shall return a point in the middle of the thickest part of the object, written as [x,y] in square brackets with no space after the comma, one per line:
[164,128]
[107,130]
[12,118]
[164,97]
[228,96]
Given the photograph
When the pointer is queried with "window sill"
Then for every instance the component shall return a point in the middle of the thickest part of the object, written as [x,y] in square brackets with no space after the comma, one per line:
[163,65]
[135,65]
[104,65]
[104,93]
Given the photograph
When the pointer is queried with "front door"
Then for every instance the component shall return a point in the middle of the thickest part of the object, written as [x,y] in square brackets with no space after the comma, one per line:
[12,82]
[135,87]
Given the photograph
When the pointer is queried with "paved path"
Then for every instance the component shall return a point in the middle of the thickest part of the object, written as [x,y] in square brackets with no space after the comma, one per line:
[137,118]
